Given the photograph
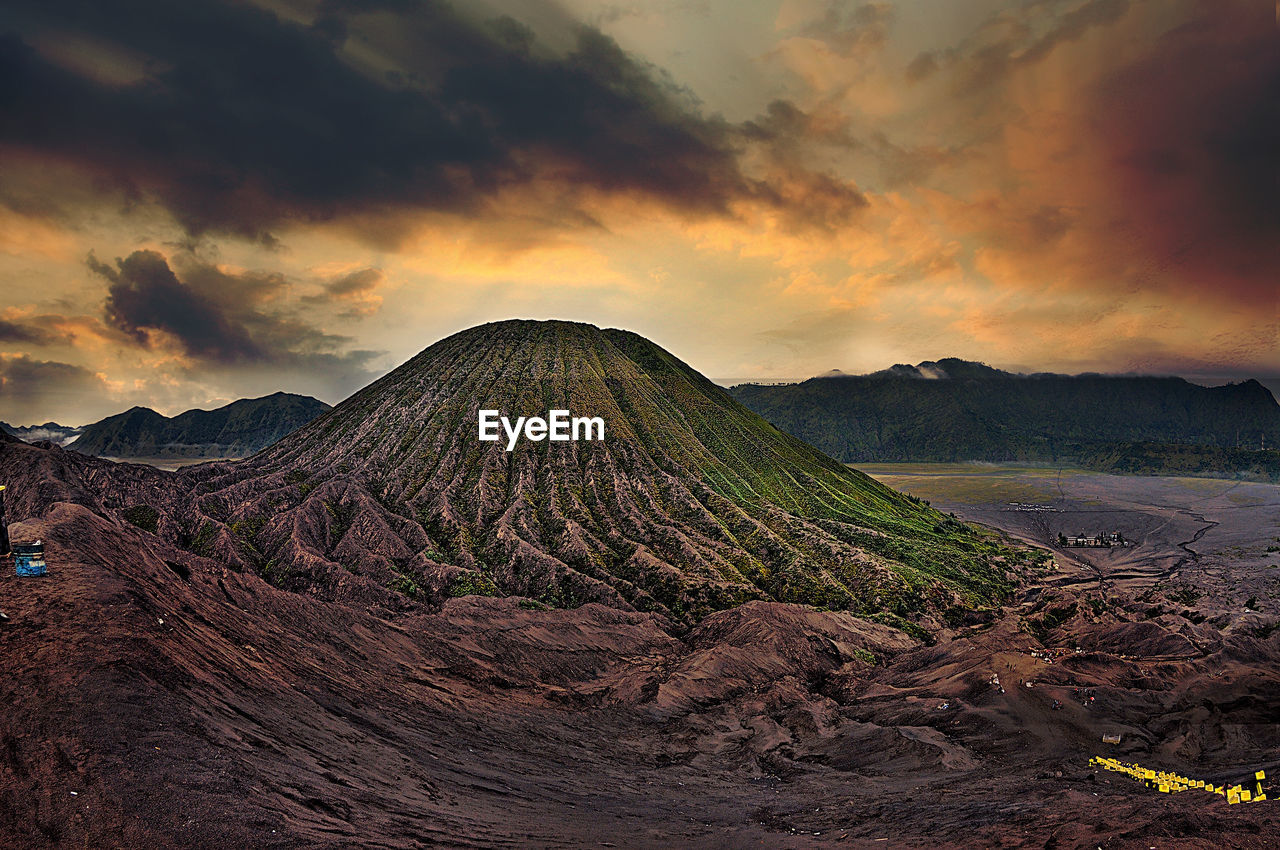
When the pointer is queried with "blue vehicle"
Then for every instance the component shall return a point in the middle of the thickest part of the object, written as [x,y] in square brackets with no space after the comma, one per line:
[28,559]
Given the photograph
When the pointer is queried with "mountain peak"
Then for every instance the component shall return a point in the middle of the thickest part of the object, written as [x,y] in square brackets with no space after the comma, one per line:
[689,504]
[946,368]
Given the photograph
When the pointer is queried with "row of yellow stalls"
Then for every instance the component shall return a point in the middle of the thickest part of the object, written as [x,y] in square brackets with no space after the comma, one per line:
[1172,783]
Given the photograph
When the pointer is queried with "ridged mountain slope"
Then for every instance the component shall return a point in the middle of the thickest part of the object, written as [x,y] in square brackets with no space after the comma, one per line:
[691,503]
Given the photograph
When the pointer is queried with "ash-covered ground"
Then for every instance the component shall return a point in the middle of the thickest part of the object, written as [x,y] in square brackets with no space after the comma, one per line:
[1211,546]
[155,698]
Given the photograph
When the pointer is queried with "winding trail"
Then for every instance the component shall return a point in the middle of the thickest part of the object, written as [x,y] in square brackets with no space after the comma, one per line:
[1185,545]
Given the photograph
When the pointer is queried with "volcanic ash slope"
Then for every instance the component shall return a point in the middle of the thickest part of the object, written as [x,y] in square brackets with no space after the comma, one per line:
[690,504]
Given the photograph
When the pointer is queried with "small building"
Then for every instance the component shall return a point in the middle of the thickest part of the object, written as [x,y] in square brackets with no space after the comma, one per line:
[1093,541]
[28,559]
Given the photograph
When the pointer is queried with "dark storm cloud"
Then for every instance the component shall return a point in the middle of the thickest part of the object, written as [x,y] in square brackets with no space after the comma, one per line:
[356,290]
[1011,40]
[26,383]
[144,296]
[1194,135]
[786,127]
[1075,24]
[24,332]
[785,135]
[219,318]
[1178,121]
[239,121]
[853,29]
[925,65]
[355,284]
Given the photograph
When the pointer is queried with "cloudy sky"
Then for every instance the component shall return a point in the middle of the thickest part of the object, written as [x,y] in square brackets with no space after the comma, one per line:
[201,201]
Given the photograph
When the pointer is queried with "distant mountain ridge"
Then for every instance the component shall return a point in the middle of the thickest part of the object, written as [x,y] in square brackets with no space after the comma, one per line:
[51,431]
[235,430]
[955,410]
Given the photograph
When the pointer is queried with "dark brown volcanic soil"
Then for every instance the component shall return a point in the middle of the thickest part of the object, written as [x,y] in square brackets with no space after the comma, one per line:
[155,698]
